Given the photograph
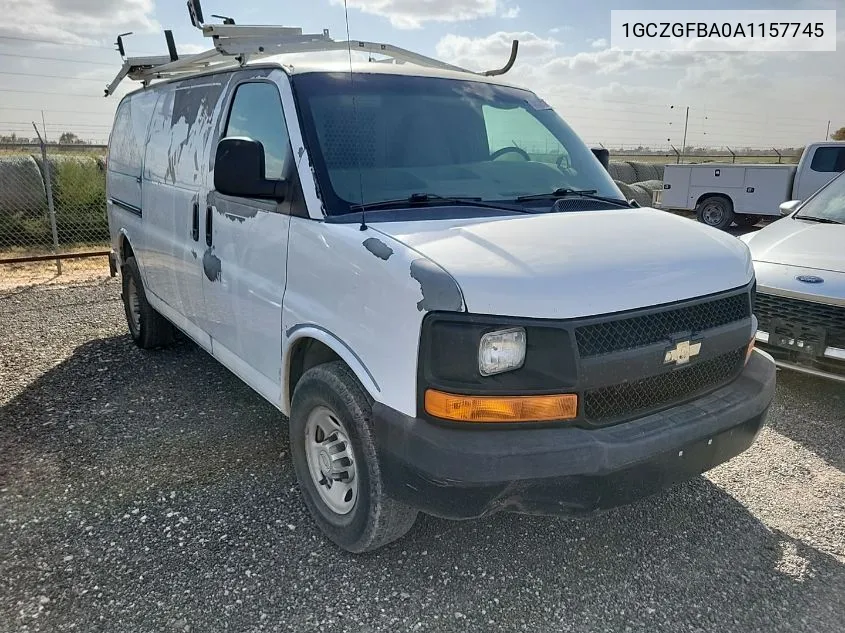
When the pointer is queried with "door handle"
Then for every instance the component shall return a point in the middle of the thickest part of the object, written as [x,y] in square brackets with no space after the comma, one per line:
[208,226]
[195,222]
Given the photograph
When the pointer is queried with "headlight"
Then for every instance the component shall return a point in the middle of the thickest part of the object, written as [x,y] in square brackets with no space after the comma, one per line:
[485,355]
[501,351]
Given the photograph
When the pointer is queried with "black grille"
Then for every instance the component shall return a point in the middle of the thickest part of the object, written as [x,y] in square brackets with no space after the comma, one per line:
[831,318]
[627,399]
[637,331]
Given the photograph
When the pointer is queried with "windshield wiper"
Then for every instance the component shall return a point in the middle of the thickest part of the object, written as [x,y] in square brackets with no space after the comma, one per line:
[564,192]
[812,218]
[430,199]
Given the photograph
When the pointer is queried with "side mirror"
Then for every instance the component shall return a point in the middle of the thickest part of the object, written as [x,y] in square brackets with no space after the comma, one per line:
[787,208]
[603,155]
[239,170]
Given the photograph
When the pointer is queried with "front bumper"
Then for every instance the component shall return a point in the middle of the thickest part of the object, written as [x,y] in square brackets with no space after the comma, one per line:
[793,316]
[469,472]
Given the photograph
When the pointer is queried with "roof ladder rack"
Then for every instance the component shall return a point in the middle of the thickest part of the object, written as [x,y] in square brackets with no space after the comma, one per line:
[235,45]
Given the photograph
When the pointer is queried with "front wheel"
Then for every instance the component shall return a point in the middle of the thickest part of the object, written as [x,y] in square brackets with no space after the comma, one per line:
[334,456]
[715,211]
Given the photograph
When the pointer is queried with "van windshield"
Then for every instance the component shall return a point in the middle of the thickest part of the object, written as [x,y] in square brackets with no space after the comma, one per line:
[408,135]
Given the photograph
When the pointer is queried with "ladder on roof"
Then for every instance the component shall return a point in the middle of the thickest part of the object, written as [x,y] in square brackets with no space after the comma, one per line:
[235,45]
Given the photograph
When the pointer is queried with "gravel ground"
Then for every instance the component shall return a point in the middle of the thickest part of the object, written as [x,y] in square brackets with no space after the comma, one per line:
[154,492]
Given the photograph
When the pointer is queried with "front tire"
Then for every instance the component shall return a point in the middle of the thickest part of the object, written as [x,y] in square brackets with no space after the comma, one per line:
[715,211]
[146,326]
[334,456]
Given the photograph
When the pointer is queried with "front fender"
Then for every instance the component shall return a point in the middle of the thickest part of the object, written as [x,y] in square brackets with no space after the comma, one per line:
[364,294]
[330,340]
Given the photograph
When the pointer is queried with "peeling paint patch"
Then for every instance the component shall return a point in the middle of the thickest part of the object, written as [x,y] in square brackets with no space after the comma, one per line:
[439,290]
[211,265]
[378,248]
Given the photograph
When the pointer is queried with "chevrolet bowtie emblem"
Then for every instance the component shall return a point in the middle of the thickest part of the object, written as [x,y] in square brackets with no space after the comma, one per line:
[681,353]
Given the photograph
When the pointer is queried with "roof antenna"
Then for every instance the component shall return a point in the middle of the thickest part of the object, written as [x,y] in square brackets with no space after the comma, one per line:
[355,128]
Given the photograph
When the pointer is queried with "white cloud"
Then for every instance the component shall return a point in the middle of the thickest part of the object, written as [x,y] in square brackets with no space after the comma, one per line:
[555,29]
[492,51]
[599,43]
[623,97]
[411,14]
[76,21]
[612,61]
[192,49]
[510,13]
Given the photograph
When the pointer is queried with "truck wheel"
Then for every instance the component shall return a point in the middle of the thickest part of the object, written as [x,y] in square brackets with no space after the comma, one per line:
[715,211]
[148,328]
[746,221]
[336,465]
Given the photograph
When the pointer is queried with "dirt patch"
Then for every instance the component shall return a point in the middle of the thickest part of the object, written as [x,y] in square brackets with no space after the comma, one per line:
[74,271]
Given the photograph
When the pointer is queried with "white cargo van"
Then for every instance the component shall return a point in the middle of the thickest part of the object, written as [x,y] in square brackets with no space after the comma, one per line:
[453,320]
[724,193]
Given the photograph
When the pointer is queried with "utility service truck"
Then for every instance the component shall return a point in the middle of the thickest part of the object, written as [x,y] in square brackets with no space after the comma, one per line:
[724,193]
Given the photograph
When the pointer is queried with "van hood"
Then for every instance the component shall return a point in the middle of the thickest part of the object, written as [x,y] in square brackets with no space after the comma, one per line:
[567,265]
[797,242]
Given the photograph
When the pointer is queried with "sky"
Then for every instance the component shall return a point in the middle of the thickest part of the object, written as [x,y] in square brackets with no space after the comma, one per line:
[56,56]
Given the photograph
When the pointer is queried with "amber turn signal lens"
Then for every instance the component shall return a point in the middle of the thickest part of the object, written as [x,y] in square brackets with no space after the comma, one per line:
[501,408]
[749,350]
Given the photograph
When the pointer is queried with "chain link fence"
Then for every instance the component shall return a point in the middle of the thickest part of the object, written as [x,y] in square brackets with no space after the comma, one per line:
[52,201]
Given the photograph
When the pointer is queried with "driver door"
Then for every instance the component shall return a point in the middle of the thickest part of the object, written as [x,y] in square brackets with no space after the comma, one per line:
[246,248]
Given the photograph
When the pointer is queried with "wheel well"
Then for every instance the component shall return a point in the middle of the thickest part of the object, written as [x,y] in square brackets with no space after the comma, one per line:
[308,353]
[724,196]
[125,249]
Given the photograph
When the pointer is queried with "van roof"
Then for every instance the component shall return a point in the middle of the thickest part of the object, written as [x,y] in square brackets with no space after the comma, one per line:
[302,66]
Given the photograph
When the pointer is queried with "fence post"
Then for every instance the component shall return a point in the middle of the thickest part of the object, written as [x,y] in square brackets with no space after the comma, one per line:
[677,155]
[48,185]
[780,156]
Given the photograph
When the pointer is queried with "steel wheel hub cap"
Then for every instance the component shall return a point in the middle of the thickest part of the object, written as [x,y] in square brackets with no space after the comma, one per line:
[331,462]
[713,214]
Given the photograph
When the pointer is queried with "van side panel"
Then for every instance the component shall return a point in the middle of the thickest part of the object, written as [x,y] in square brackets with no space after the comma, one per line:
[175,186]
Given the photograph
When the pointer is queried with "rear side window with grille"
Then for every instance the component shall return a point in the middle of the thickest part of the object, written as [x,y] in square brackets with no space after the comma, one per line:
[181,131]
[129,136]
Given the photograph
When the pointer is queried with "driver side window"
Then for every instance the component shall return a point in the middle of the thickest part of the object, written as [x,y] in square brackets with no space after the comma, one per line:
[516,129]
[257,113]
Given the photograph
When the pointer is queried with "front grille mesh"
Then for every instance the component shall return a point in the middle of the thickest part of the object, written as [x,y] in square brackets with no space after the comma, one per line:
[608,404]
[637,331]
[831,318]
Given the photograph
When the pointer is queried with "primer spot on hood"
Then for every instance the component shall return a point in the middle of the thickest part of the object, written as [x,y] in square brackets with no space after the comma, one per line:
[439,289]
[378,248]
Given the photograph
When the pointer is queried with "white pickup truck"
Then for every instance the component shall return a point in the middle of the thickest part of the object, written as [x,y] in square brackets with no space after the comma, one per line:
[724,193]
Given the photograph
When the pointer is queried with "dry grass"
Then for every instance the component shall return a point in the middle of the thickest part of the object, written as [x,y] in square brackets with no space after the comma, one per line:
[14,276]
